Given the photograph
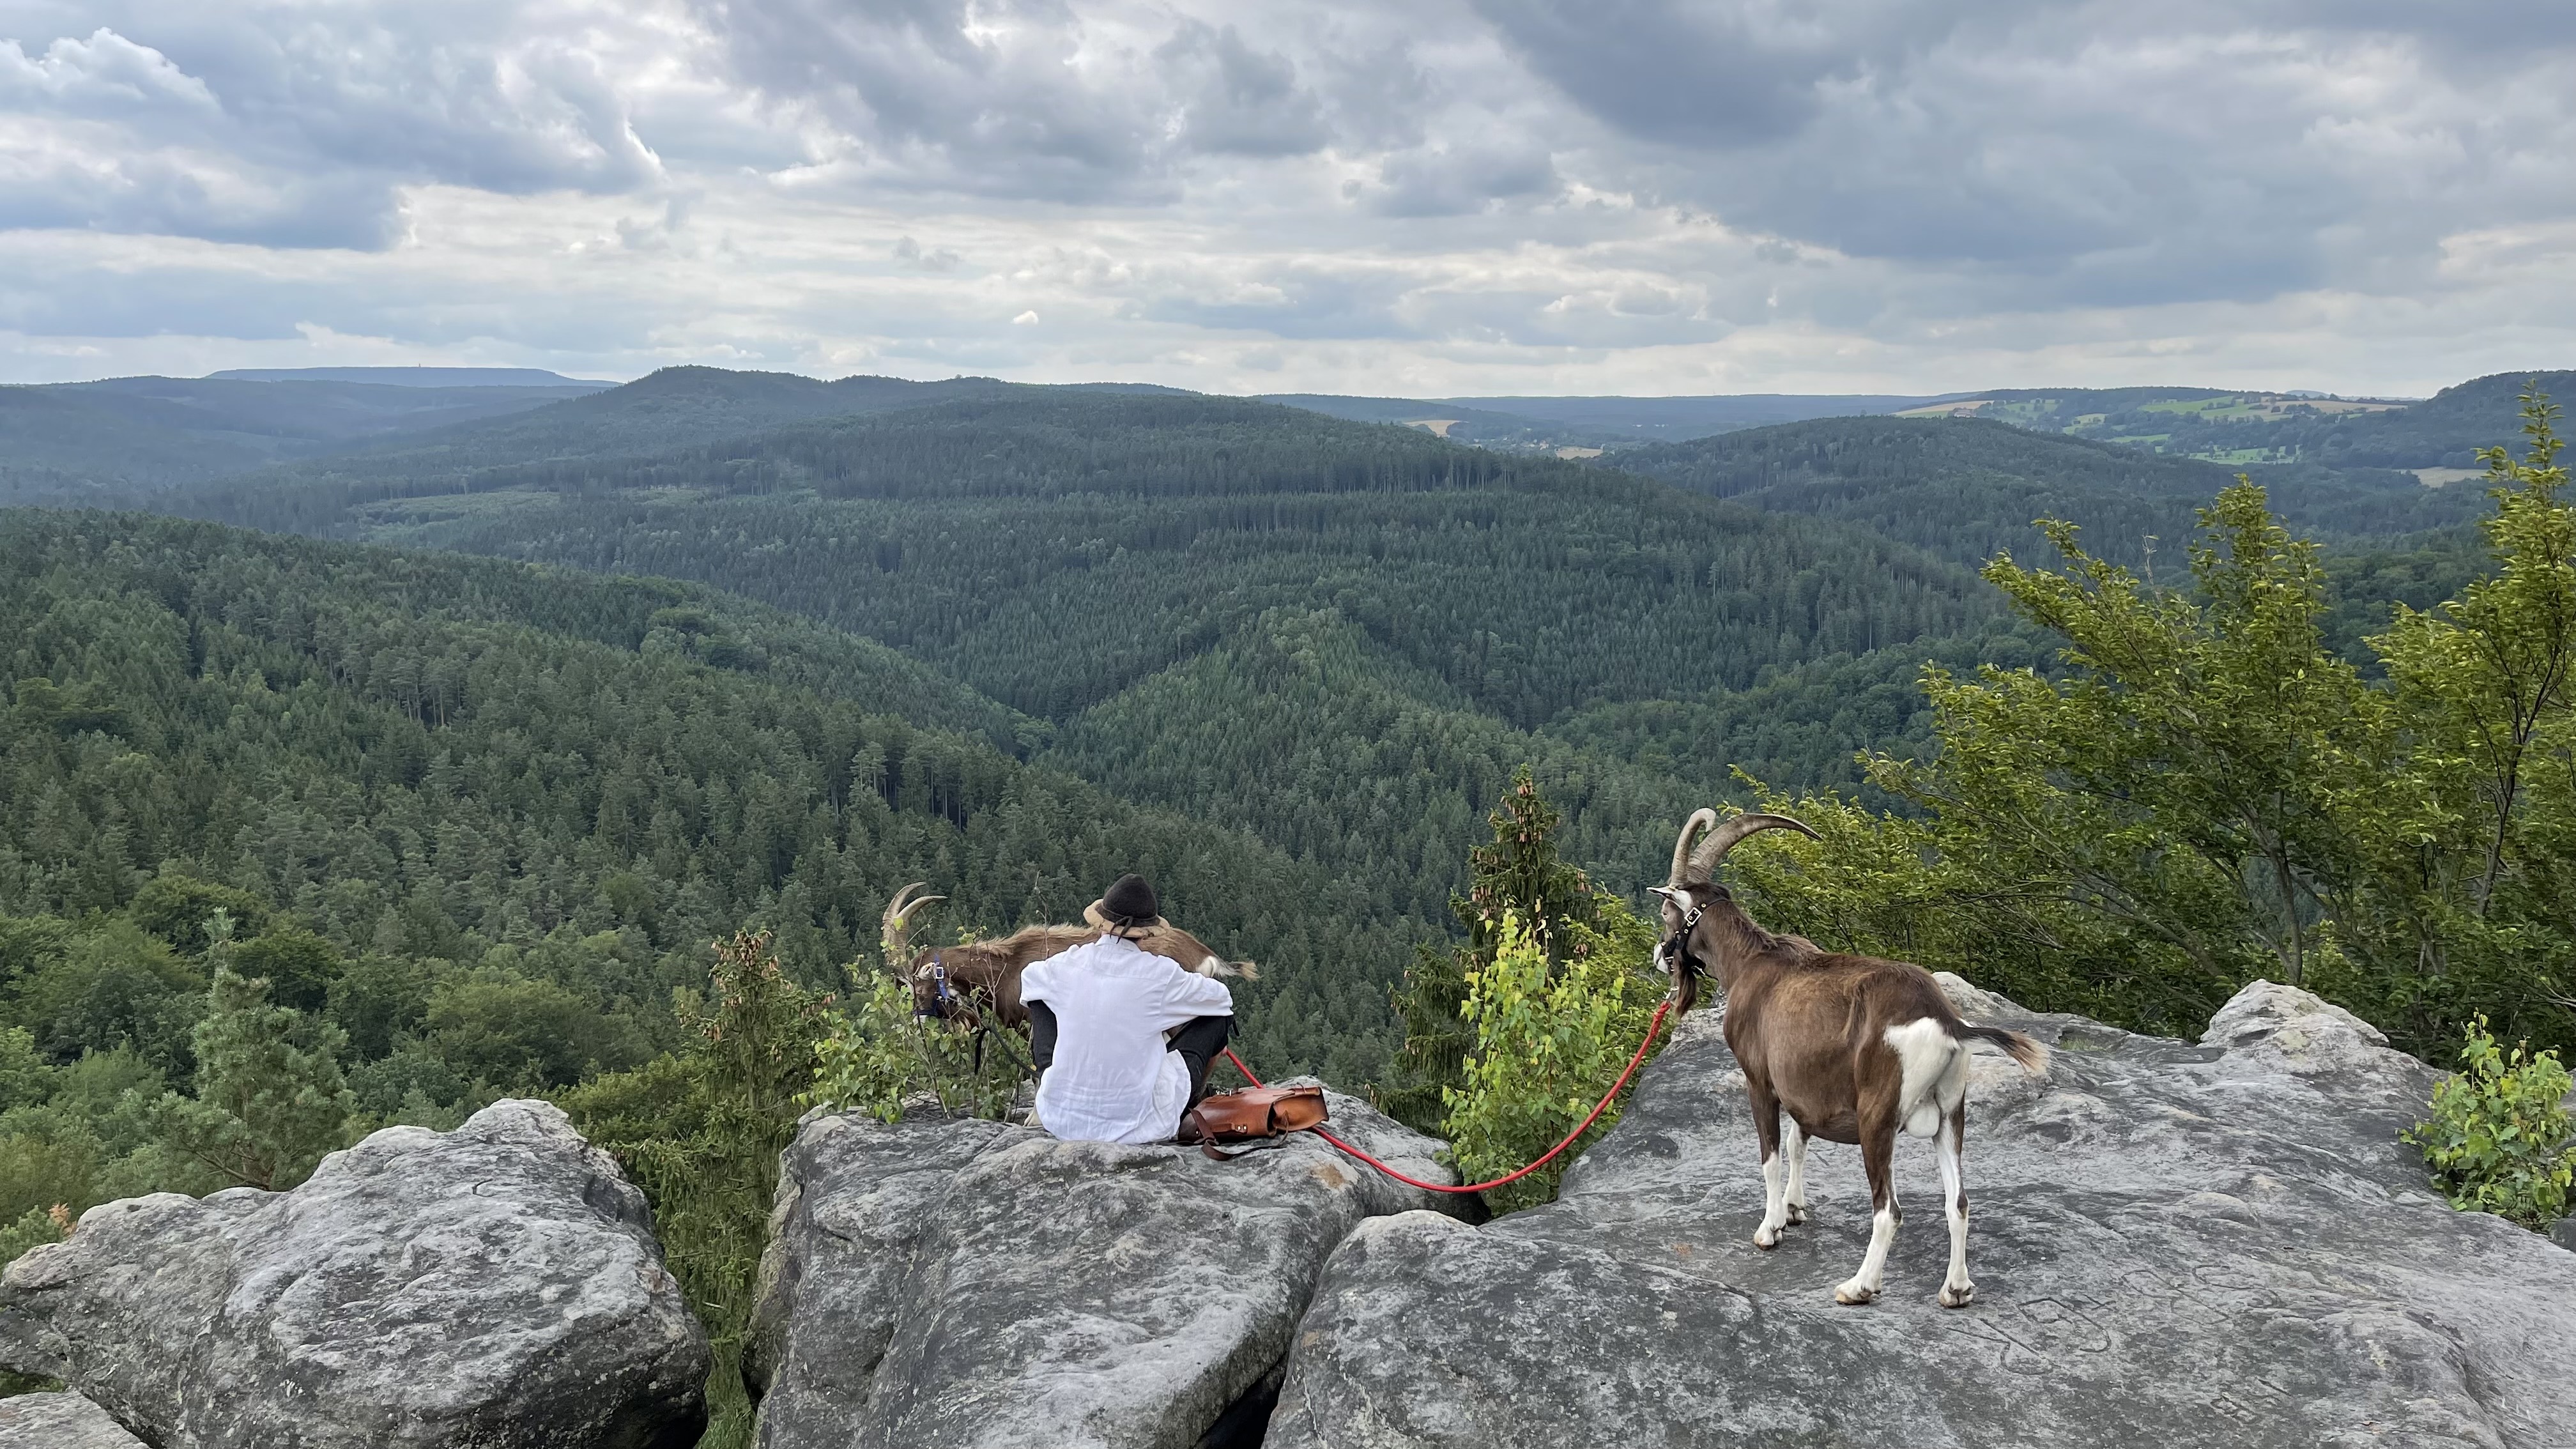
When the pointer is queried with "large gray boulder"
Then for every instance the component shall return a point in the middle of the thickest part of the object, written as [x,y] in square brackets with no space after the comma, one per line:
[60,1421]
[2174,1245]
[497,1287]
[936,1283]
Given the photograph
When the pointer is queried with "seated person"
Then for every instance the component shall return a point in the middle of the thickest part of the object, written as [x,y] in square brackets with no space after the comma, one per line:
[1121,1037]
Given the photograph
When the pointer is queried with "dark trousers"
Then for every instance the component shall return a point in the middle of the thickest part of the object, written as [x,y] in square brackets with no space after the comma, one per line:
[1197,1040]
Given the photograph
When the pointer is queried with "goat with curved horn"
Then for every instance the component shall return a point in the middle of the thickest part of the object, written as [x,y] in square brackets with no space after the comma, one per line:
[1853,1048]
[1702,863]
[892,930]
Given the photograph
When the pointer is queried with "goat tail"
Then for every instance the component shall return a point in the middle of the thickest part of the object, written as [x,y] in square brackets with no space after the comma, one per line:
[2030,1053]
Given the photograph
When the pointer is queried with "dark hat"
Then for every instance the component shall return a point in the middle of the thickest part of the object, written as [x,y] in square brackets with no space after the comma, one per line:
[1128,904]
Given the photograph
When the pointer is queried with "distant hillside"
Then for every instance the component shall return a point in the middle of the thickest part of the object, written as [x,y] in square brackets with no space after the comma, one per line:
[1454,421]
[1968,488]
[414,376]
[131,436]
[1562,423]
[1675,419]
[2435,438]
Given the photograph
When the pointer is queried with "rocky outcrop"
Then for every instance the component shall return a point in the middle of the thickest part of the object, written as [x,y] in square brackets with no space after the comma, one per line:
[497,1286]
[939,1282]
[2174,1245]
[60,1421]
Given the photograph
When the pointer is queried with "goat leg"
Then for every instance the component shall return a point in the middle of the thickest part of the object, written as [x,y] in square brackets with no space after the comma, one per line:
[1797,1194]
[1956,1290]
[1878,1157]
[1766,1128]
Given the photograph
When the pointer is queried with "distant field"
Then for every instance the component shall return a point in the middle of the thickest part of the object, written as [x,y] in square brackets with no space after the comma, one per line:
[2443,477]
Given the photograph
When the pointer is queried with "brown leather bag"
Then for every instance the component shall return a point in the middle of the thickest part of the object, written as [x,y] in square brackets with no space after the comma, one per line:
[1251,1115]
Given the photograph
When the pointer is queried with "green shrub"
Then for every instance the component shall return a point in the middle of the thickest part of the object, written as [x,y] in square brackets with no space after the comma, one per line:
[33,1229]
[2499,1139]
[875,1054]
[1549,1043]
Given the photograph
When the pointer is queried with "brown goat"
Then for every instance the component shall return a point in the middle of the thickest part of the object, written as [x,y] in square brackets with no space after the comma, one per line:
[985,975]
[1855,1048]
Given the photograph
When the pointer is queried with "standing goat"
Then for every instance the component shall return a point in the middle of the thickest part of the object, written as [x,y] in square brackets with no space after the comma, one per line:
[961,982]
[1856,1048]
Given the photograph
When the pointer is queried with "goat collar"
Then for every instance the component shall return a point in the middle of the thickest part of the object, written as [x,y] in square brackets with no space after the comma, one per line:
[1677,949]
[942,999]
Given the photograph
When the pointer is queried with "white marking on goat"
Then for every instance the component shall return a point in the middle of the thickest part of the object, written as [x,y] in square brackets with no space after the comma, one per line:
[1930,1058]
[1864,1284]
[1797,1194]
[1956,1290]
[1774,1205]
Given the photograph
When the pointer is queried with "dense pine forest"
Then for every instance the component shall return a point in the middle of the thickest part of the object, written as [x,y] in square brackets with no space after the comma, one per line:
[480,820]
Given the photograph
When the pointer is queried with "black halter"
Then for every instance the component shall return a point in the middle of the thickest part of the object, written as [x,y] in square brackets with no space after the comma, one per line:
[943,1001]
[1676,949]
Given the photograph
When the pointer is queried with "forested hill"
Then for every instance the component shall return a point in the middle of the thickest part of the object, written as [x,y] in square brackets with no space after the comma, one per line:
[129,437]
[497,792]
[1056,549]
[1968,488]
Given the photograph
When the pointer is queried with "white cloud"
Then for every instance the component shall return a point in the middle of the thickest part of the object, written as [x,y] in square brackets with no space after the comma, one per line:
[1441,196]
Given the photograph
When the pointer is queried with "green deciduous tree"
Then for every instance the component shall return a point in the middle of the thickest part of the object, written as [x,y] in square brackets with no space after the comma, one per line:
[1548,1041]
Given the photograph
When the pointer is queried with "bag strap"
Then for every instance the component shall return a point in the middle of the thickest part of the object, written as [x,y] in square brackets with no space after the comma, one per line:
[1257,1144]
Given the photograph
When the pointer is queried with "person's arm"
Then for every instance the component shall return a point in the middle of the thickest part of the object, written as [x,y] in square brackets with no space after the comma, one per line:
[1187,996]
[1041,1036]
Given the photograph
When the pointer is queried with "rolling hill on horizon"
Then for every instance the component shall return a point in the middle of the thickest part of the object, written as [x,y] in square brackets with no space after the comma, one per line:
[121,439]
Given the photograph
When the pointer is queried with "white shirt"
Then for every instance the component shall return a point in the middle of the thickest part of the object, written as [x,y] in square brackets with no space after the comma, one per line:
[1114,1078]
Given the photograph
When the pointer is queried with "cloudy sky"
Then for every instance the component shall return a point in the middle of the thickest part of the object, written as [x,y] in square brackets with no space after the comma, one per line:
[1416,197]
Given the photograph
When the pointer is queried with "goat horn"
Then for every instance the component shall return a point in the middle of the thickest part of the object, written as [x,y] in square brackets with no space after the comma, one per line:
[891,933]
[1703,861]
[904,903]
[1701,819]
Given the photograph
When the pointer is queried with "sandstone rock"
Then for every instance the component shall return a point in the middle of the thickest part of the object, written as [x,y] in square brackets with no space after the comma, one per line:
[2174,1245]
[497,1286]
[943,1282]
[60,1421]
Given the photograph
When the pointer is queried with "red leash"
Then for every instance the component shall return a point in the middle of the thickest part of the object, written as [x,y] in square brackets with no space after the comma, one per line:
[1652,1027]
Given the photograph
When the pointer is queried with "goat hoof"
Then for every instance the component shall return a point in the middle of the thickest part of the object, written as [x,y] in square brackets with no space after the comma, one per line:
[1959,1297]
[1852,1295]
[1766,1238]
[1797,1213]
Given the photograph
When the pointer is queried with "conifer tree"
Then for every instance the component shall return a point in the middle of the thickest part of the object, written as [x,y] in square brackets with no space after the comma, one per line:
[270,1100]
[1517,874]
